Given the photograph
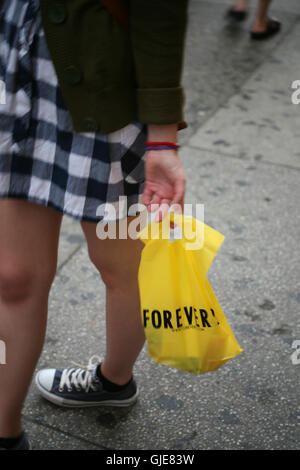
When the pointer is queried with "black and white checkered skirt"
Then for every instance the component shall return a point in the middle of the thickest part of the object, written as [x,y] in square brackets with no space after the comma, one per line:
[42,158]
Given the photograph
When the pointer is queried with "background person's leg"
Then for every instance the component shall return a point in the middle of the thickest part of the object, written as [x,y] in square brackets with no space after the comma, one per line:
[238,11]
[264,26]
[241,5]
[29,235]
[261,16]
[118,262]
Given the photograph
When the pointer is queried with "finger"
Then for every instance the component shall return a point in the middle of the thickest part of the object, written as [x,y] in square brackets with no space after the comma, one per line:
[153,207]
[178,207]
[147,196]
[154,204]
[163,210]
[179,191]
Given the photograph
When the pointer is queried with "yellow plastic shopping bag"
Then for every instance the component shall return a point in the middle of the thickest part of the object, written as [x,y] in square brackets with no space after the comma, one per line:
[184,324]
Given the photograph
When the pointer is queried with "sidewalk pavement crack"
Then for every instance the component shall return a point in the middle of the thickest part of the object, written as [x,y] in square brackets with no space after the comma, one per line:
[63,263]
[67,434]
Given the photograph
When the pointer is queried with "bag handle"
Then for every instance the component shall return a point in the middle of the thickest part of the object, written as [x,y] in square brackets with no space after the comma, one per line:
[192,230]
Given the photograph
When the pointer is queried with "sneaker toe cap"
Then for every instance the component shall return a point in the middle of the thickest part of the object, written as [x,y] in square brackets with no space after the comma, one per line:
[45,378]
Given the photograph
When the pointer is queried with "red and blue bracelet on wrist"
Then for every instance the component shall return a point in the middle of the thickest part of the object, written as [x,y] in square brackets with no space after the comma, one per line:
[161,146]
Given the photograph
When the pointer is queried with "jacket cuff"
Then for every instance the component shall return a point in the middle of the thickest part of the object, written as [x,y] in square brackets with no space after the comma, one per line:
[160,105]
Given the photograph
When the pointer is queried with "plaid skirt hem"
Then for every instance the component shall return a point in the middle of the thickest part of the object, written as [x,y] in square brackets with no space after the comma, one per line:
[79,216]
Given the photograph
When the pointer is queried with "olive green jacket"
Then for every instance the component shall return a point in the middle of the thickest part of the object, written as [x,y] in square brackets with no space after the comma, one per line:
[110,77]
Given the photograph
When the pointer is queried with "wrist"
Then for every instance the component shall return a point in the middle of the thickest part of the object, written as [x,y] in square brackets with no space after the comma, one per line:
[160,155]
[162,133]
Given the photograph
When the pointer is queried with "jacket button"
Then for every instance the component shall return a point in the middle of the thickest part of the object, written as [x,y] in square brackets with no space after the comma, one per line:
[90,124]
[57,13]
[72,75]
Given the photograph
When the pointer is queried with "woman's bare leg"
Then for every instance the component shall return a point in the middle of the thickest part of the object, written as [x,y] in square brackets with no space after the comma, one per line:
[29,236]
[118,262]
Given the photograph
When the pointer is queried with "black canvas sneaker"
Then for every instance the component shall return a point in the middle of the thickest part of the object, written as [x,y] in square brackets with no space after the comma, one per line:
[80,387]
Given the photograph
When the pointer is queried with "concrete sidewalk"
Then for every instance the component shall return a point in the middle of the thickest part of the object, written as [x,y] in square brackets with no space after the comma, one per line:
[241,154]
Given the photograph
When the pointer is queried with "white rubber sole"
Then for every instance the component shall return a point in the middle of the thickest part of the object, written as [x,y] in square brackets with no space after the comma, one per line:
[83,404]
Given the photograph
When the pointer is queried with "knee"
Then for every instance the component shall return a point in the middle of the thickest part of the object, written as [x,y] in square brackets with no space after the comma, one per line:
[108,273]
[19,282]
[115,275]
[16,283]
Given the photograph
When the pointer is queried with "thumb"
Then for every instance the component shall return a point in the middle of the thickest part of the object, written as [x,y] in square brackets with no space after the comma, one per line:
[179,192]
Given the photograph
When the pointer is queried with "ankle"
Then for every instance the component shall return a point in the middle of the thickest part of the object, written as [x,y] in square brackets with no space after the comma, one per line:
[241,5]
[260,24]
[9,430]
[116,377]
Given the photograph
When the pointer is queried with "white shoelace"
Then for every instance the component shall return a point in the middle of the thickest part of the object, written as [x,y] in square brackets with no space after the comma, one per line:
[80,377]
